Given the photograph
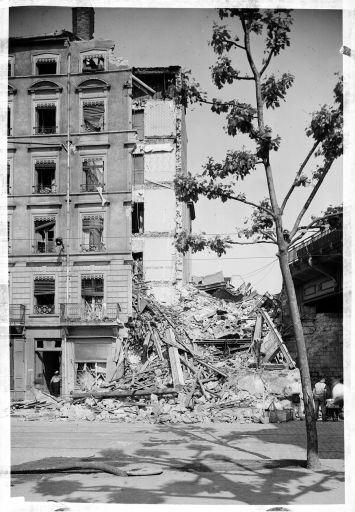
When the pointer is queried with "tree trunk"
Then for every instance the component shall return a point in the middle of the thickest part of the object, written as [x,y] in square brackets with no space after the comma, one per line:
[311,428]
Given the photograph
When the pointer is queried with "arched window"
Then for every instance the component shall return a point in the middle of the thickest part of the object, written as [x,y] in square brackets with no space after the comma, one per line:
[93,105]
[45,107]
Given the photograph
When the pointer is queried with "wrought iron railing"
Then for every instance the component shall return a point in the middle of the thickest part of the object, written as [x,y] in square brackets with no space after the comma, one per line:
[89,313]
[44,247]
[47,309]
[42,189]
[100,247]
[90,187]
[92,128]
[44,130]
[300,249]
[17,313]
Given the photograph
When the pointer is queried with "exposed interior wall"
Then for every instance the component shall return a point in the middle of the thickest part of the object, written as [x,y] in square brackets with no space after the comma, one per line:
[159,211]
[159,258]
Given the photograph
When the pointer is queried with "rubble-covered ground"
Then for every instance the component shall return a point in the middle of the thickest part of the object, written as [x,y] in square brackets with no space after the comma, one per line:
[187,361]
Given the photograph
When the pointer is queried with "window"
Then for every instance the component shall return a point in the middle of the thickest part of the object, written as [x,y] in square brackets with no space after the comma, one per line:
[138,218]
[90,374]
[44,294]
[9,121]
[10,66]
[137,264]
[45,118]
[93,174]
[92,230]
[93,116]
[92,289]
[138,169]
[46,66]
[93,62]
[44,228]
[9,235]
[9,175]
[45,177]
[138,123]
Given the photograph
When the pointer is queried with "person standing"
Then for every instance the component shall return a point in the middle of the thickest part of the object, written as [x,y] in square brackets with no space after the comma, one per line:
[55,384]
[319,396]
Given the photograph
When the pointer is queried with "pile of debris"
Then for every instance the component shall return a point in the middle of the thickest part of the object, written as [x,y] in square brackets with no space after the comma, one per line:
[196,359]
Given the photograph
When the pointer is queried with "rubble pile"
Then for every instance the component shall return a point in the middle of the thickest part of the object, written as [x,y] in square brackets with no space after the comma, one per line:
[191,360]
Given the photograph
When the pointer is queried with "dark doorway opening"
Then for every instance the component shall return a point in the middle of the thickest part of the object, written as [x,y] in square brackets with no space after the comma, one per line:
[47,362]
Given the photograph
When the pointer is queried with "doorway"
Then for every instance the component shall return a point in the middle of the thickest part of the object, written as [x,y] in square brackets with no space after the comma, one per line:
[47,362]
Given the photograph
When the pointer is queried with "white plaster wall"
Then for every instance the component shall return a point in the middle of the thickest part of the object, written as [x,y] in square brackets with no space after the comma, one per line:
[160,166]
[159,259]
[159,118]
[159,210]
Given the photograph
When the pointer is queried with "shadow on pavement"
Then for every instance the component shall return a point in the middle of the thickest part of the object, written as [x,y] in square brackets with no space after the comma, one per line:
[198,471]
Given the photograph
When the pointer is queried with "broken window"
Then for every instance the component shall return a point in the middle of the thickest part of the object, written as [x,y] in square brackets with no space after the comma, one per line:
[44,234]
[46,66]
[45,177]
[138,123]
[93,228]
[138,264]
[138,169]
[93,174]
[138,218]
[45,118]
[90,374]
[93,116]
[44,293]
[92,289]
[93,63]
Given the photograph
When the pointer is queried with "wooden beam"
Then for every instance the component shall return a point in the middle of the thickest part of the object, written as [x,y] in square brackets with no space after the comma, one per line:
[176,370]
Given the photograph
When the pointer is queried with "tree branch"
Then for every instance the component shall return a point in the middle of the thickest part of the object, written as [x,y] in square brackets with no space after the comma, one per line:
[251,243]
[265,233]
[310,198]
[234,43]
[267,62]
[299,172]
[258,206]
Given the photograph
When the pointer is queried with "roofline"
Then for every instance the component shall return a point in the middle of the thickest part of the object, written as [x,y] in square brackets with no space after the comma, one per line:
[152,70]
[64,34]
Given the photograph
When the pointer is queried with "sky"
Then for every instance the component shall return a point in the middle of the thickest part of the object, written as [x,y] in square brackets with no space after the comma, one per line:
[163,37]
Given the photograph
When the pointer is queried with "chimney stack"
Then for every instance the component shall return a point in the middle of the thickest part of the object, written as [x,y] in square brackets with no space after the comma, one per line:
[83,19]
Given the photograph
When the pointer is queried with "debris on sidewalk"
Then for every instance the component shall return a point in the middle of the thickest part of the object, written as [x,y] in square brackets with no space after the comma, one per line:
[194,358]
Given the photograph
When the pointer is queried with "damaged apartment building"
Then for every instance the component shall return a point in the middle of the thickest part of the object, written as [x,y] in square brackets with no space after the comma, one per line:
[74,111]
[159,155]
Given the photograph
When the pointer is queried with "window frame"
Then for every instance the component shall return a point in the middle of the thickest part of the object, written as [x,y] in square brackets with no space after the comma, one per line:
[10,125]
[43,277]
[10,182]
[36,58]
[88,53]
[81,238]
[9,231]
[89,156]
[38,217]
[97,98]
[93,275]
[11,62]
[46,155]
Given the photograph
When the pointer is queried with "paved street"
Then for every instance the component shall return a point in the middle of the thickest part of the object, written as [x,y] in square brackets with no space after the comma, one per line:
[202,464]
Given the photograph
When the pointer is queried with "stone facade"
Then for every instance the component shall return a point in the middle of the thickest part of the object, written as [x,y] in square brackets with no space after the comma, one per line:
[324,341]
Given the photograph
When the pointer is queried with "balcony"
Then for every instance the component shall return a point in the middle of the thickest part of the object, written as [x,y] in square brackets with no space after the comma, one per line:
[43,189]
[100,247]
[17,314]
[45,130]
[89,313]
[47,309]
[90,187]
